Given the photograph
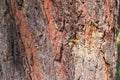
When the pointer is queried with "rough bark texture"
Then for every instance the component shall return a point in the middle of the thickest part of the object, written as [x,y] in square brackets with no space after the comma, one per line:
[58,39]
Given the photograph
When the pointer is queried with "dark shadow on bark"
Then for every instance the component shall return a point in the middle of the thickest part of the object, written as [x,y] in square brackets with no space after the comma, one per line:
[16,52]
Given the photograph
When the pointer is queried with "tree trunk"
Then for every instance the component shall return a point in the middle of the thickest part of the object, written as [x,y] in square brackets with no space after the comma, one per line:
[58,39]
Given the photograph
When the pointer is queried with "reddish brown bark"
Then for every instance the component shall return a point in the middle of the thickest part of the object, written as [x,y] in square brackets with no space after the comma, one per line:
[58,39]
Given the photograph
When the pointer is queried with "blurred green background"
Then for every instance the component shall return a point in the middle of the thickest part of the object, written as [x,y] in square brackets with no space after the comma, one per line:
[118,46]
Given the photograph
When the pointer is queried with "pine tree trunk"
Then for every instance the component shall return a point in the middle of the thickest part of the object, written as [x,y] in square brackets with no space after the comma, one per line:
[58,39]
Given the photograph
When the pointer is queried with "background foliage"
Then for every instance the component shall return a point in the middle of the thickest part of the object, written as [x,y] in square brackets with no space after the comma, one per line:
[118,45]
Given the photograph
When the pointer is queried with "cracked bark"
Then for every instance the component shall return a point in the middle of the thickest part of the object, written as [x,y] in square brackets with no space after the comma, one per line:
[58,39]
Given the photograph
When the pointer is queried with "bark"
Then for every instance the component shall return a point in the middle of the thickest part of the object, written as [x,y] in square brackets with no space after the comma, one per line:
[58,39]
